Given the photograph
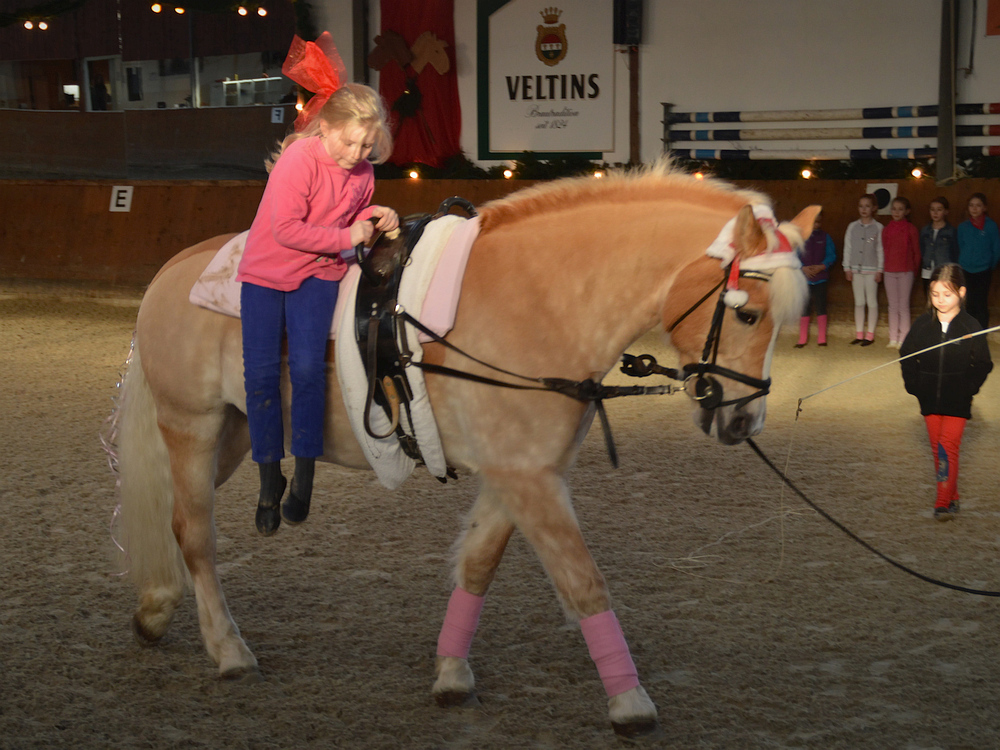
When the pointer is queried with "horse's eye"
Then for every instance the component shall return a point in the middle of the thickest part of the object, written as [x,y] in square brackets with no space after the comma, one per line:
[747,316]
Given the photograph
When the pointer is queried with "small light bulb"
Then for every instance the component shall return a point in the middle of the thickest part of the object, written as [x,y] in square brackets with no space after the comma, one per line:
[806,173]
[699,176]
[917,172]
[414,174]
[156,7]
[298,106]
[598,174]
[241,10]
[261,12]
[179,11]
[508,173]
[43,26]
[29,25]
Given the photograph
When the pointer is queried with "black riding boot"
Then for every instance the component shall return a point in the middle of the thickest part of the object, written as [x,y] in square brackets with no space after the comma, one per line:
[295,509]
[272,487]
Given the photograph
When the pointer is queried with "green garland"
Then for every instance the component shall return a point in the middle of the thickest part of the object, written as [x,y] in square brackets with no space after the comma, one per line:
[845,169]
[531,167]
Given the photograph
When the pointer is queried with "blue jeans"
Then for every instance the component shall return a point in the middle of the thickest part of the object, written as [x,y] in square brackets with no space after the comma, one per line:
[306,313]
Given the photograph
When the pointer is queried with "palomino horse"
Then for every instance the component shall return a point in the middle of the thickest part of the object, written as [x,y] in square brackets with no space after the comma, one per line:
[561,279]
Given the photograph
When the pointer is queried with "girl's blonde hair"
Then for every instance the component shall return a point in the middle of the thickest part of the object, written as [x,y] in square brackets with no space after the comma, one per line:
[952,276]
[351,104]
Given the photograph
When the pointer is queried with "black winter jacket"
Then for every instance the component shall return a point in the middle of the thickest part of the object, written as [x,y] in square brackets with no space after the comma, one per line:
[944,380]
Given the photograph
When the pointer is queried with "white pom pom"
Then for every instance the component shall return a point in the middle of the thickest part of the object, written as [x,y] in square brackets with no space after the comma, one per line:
[735,298]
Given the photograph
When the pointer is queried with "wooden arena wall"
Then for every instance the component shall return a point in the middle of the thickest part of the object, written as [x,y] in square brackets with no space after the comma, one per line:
[64,230]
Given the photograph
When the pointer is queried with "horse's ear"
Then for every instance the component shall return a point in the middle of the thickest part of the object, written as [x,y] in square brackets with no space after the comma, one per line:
[748,237]
[805,220]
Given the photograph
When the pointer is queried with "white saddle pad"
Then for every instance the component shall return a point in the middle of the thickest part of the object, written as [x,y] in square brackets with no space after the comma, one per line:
[391,464]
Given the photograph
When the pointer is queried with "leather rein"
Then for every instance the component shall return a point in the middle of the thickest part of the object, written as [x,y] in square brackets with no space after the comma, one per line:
[695,378]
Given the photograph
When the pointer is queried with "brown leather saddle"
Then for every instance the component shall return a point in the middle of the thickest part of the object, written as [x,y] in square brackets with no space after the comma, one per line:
[379,330]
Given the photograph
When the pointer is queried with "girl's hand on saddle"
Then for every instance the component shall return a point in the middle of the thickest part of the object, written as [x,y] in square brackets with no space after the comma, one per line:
[387,218]
[361,232]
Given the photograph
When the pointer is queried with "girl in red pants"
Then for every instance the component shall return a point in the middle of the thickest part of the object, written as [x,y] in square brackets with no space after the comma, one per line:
[945,379]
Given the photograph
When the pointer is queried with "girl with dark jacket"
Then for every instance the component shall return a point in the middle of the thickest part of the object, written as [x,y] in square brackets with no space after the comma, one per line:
[938,241]
[945,379]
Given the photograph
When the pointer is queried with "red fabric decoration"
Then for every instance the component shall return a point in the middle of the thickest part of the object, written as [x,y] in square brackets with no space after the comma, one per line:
[734,275]
[317,67]
[426,117]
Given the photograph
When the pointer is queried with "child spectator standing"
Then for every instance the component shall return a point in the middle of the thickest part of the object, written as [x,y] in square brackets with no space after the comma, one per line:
[315,206]
[818,255]
[938,241]
[978,253]
[863,265]
[945,379]
[901,249]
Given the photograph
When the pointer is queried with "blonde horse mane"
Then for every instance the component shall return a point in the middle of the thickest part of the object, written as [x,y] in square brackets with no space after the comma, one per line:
[661,180]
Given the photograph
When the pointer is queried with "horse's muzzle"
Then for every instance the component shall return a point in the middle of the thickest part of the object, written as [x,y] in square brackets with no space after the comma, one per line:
[731,425]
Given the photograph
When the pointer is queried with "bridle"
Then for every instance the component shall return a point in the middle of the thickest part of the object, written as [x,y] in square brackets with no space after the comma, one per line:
[698,383]
[696,377]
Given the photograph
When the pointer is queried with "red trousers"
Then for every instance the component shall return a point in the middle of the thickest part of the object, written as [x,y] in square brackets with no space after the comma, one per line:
[946,438]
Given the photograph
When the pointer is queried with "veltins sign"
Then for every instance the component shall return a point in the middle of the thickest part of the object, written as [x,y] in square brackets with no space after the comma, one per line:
[550,80]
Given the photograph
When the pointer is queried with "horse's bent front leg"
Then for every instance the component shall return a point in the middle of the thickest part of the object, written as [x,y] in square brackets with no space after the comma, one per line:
[540,505]
[480,549]
[192,464]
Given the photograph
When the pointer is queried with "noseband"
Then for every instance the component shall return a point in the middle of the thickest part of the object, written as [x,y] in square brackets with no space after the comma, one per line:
[698,381]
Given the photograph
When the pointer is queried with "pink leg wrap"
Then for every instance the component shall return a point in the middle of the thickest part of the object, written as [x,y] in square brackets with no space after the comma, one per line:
[610,653]
[460,623]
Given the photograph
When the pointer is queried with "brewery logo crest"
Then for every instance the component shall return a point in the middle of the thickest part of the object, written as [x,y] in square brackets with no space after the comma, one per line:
[550,44]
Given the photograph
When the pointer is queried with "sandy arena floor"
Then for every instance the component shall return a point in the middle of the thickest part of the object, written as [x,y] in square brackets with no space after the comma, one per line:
[754,622]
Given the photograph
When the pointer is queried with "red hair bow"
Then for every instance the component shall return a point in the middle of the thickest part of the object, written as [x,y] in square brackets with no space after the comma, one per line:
[317,67]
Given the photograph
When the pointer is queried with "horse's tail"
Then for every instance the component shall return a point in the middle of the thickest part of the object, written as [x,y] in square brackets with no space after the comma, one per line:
[150,552]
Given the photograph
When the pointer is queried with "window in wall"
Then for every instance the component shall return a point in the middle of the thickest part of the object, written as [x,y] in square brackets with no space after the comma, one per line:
[71,93]
[38,84]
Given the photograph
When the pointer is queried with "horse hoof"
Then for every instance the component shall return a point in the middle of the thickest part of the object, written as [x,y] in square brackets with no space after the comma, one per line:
[142,636]
[638,732]
[456,699]
[268,519]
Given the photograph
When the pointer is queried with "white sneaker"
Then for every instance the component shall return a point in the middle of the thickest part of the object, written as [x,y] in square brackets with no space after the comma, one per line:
[892,345]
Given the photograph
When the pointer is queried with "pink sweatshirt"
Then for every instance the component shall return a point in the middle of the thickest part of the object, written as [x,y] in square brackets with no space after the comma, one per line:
[304,218]
[901,246]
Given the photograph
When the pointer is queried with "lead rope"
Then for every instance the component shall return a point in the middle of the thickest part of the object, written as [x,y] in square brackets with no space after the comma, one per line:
[787,482]
[856,538]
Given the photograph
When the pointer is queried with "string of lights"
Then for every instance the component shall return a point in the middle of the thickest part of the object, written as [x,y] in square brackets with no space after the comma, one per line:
[206,6]
[38,17]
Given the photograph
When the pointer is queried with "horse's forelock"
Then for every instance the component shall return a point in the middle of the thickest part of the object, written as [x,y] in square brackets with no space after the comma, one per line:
[788,292]
[662,178]
[792,234]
